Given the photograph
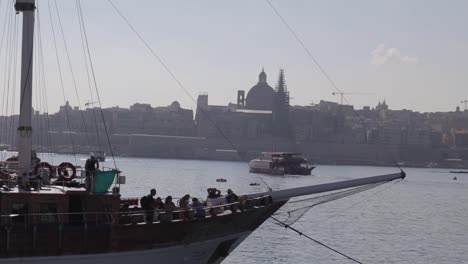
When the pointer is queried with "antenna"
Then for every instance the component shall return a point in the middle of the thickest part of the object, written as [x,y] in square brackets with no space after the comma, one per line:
[342,94]
[465,102]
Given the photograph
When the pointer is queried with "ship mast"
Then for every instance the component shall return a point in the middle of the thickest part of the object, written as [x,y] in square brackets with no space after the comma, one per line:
[27,7]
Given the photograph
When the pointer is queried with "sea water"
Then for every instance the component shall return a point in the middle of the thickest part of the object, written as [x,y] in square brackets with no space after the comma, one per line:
[422,219]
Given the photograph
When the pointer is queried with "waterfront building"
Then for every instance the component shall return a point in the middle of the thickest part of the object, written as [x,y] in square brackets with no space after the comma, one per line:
[264,113]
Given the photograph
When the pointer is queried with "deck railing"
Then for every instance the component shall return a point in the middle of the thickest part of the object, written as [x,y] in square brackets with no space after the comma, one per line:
[133,215]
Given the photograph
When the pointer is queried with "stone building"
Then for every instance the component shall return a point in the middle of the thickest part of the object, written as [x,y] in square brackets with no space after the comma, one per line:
[264,113]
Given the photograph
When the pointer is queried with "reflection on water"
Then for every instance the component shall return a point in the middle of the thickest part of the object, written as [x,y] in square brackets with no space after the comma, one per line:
[419,220]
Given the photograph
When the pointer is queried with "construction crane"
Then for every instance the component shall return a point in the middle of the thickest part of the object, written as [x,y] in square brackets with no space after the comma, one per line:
[342,94]
[465,102]
[89,103]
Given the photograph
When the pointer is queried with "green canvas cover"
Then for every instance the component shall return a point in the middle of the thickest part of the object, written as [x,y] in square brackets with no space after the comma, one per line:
[103,181]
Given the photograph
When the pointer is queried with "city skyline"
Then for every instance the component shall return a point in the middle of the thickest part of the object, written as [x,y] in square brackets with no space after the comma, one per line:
[393,51]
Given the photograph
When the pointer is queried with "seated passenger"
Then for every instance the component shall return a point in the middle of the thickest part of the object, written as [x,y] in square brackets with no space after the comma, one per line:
[198,207]
[184,204]
[124,214]
[184,201]
[33,181]
[5,178]
[231,197]
[21,181]
[169,208]
[158,204]
[45,176]
[213,193]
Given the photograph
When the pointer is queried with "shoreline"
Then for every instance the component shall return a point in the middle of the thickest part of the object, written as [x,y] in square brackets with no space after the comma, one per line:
[317,162]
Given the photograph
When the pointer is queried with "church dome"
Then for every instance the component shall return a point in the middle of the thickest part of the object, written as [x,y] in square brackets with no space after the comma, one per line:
[261,96]
[175,105]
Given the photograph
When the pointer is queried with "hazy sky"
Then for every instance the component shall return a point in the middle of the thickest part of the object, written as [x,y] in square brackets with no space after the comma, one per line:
[413,53]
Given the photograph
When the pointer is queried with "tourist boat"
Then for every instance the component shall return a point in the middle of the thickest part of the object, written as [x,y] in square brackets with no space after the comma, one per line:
[459,171]
[72,222]
[281,163]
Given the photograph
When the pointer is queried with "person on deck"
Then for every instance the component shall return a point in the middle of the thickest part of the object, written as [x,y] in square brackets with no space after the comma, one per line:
[232,198]
[148,204]
[198,207]
[169,208]
[23,182]
[184,205]
[214,201]
[91,165]
[159,204]
[213,193]
[34,181]
[34,159]
[124,214]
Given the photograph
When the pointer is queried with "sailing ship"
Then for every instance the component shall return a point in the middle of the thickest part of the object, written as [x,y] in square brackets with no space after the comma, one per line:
[68,222]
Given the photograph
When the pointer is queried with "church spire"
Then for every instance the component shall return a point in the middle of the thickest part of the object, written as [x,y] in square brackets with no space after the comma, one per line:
[281,86]
[281,108]
[262,77]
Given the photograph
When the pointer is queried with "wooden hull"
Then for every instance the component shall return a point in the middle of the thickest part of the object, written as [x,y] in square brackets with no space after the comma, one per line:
[97,240]
[205,241]
[196,252]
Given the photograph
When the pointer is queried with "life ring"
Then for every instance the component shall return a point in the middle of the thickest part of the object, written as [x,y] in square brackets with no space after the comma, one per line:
[12,159]
[64,166]
[43,165]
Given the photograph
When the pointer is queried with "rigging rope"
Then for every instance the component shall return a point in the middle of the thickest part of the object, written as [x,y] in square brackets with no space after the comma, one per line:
[296,209]
[364,199]
[14,79]
[312,57]
[179,83]
[313,239]
[3,116]
[43,83]
[40,135]
[11,83]
[80,12]
[61,81]
[323,199]
[305,48]
[71,70]
[6,73]
[85,56]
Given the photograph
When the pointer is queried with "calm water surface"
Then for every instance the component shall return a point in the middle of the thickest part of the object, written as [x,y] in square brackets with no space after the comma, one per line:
[423,219]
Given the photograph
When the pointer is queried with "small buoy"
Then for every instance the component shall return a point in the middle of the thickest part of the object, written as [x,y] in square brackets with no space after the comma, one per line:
[455,178]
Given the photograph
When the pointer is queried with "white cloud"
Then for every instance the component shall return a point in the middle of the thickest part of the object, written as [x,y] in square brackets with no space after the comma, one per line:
[382,55]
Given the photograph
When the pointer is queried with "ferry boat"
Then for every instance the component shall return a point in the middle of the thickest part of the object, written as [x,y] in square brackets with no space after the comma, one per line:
[459,171]
[281,163]
[88,221]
